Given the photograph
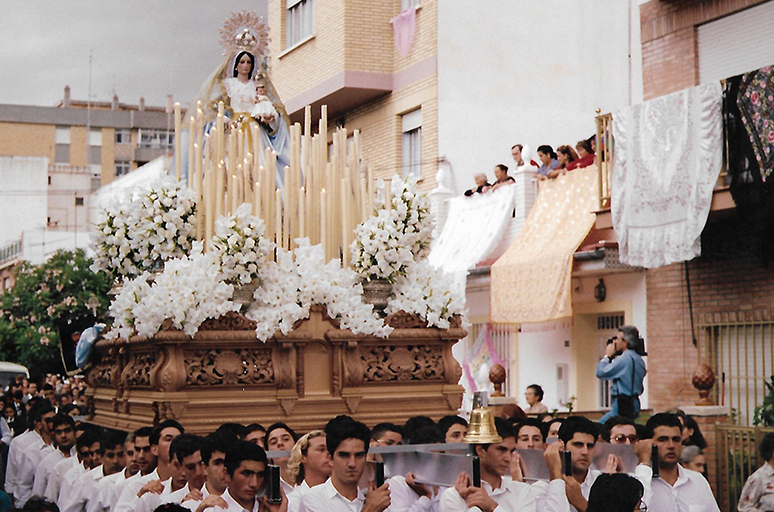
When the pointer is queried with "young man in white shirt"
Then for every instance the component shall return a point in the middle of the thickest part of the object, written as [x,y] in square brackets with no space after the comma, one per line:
[63,467]
[246,466]
[89,447]
[103,495]
[497,491]
[280,437]
[406,494]
[310,464]
[64,438]
[213,452]
[160,438]
[677,488]
[35,448]
[84,490]
[347,442]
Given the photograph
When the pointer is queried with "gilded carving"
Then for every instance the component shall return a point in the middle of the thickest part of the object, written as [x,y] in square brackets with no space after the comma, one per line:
[138,373]
[231,321]
[403,363]
[228,367]
[404,320]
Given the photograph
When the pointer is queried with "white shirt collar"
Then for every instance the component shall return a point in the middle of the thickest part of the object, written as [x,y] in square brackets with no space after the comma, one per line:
[233,506]
[331,492]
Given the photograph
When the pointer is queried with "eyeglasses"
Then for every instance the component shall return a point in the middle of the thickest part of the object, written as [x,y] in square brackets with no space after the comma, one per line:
[621,438]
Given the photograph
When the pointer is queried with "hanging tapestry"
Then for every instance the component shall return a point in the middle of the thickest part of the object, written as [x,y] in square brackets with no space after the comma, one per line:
[531,282]
[667,158]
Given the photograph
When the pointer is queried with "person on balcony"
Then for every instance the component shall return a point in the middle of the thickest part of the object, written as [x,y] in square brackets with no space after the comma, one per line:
[516,150]
[623,364]
[481,183]
[757,492]
[566,155]
[549,162]
[586,154]
[501,173]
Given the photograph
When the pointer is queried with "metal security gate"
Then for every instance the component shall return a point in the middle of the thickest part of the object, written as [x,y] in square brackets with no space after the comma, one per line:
[740,350]
[737,452]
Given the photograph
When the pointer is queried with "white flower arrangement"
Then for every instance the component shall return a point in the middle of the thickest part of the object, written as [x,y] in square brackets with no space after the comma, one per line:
[388,244]
[189,291]
[137,235]
[239,245]
[290,287]
[429,293]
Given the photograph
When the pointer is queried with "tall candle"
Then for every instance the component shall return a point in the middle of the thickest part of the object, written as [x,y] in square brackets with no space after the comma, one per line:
[178,122]
[388,194]
[301,216]
[191,143]
[197,187]
[257,200]
[324,223]
[278,218]
[219,189]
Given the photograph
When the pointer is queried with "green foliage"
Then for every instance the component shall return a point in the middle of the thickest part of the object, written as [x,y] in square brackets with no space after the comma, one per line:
[58,297]
[764,413]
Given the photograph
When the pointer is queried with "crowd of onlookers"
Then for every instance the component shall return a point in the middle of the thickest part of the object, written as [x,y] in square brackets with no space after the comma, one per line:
[64,395]
[63,463]
[550,164]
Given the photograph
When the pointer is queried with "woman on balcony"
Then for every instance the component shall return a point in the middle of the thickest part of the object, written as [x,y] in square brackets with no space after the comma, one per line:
[549,162]
[565,155]
[586,154]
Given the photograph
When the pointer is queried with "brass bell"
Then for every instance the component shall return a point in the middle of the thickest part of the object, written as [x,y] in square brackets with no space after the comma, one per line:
[481,429]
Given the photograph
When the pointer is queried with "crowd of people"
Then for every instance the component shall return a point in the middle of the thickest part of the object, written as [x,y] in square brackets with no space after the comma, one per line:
[551,164]
[64,465]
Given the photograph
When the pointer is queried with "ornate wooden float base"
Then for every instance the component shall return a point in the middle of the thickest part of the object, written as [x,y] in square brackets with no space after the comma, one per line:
[314,373]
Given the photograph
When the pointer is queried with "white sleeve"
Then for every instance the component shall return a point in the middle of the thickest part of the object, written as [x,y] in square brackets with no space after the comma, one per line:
[6,435]
[52,487]
[41,479]
[451,501]
[550,496]
[644,474]
[14,465]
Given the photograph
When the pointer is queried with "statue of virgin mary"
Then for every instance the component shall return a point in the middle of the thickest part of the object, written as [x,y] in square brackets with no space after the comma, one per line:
[239,81]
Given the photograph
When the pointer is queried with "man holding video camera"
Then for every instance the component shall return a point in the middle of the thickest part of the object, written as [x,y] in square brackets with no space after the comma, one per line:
[623,364]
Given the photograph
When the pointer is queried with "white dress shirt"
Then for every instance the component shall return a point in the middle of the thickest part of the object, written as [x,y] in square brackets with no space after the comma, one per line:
[691,493]
[404,499]
[294,500]
[83,490]
[33,453]
[150,500]
[54,484]
[510,497]
[233,506]
[103,494]
[6,434]
[15,456]
[129,494]
[68,480]
[194,504]
[45,468]
[325,497]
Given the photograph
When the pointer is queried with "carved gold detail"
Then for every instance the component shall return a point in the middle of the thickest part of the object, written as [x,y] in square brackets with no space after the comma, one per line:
[403,320]
[231,321]
[418,362]
[228,367]
[138,373]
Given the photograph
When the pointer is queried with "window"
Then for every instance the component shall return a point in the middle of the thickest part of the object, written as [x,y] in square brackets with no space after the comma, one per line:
[411,143]
[62,134]
[122,168]
[157,139]
[299,21]
[405,4]
[95,137]
[78,201]
[123,137]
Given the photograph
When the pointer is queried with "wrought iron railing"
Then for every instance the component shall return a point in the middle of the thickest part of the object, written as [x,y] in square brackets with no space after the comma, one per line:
[738,458]
[10,251]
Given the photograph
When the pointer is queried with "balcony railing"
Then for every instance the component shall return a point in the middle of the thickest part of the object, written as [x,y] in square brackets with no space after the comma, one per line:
[10,251]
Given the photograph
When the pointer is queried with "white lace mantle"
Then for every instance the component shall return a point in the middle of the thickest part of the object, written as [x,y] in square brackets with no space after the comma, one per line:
[668,154]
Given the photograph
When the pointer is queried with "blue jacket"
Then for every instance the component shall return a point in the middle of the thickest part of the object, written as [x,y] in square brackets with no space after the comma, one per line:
[619,370]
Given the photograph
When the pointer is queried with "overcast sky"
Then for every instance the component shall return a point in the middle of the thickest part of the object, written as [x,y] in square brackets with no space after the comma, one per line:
[147,48]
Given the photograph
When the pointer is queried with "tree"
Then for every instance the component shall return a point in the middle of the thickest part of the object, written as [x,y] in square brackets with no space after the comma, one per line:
[48,303]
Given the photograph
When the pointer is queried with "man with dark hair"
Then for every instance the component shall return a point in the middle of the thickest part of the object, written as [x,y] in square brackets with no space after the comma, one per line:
[63,427]
[78,463]
[677,488]
[187,474]
[579,437]
[453,428]
[501,178]
[530,434]
[516,150]
[627,371]
[386,434]
[25,456]
[620,430]
[279,436]
[347,441]
[160,438]
[84,489]
[104,494]
[415,423]
[233,428]
[495,491]
[214,450]
[246,466]
[534,397]
[90,448]
[255,433]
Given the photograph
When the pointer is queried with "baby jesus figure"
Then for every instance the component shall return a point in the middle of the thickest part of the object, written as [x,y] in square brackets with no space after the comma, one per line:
[263,110]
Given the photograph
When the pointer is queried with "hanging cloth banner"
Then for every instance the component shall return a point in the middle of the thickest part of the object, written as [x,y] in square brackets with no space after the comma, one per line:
[404,25]
[531,282]
[668,154]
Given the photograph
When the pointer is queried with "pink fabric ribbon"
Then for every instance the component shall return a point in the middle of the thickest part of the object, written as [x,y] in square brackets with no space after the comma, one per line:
[404,25]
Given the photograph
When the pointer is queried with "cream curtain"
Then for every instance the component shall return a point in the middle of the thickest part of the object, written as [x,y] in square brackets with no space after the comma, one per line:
[531,282]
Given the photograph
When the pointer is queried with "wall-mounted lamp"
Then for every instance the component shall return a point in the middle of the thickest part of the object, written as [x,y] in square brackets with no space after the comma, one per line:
[600,292]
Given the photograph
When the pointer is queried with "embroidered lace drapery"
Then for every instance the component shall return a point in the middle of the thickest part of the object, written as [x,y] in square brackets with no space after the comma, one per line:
[472,229]
[667,158]
[531,282]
